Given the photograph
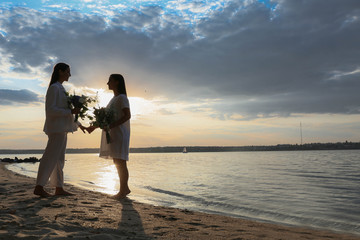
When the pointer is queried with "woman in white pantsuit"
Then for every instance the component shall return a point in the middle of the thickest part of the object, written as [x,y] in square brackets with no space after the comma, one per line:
[59,121]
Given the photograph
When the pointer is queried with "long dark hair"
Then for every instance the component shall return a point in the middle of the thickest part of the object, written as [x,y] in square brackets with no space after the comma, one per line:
[121,86]
[55,74]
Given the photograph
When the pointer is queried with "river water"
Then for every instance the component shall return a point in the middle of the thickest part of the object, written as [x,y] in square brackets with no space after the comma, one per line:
[318,189]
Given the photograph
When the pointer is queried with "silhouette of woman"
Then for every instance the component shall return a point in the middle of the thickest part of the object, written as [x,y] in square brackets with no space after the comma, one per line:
[59,121]
[118,148]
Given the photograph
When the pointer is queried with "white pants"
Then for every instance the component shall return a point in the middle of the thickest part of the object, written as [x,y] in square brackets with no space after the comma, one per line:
[52,162]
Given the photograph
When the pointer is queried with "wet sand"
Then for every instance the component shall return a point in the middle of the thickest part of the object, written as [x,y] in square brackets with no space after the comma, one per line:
[92,215]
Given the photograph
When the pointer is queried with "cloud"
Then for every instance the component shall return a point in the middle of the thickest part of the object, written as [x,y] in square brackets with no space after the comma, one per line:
[14,97]
[294,58]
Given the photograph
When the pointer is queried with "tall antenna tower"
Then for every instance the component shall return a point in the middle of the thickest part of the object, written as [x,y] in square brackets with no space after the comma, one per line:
[301,137]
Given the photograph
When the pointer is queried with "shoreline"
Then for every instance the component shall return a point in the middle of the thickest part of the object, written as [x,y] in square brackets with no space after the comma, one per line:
[94,215]
[179,149]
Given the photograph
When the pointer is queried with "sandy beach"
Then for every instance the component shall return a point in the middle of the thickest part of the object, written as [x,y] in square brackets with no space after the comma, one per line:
[92,215]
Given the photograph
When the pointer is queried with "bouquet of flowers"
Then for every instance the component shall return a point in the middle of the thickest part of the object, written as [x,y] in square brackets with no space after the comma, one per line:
[82,102]
[103,118]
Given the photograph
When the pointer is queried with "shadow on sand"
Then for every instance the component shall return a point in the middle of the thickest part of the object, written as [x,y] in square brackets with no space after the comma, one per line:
[26,216]
[130,218]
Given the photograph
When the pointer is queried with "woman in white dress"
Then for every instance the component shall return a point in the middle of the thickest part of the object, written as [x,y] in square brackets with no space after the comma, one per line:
[59,121]
[118,148]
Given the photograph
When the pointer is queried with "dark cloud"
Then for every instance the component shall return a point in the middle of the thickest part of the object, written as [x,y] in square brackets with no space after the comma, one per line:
[299,57]
[15,97]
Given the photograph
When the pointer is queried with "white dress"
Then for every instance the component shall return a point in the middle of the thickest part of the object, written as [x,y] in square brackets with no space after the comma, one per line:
[120,135]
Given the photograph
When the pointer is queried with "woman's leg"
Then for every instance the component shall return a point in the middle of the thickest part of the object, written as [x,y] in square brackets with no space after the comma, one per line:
[48,162]
[123,173]
[57,175]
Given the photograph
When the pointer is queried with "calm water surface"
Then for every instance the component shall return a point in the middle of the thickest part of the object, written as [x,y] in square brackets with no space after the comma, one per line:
[320,189]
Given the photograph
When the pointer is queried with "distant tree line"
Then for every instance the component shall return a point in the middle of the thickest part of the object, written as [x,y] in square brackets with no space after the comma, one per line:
[280,147]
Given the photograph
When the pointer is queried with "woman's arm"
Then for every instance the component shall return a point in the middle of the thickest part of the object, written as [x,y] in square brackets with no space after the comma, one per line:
[126,117]
[52,97]
[81,126]
[90,129]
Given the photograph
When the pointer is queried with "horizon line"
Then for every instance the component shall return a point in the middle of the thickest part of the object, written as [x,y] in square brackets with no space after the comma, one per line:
[194,146]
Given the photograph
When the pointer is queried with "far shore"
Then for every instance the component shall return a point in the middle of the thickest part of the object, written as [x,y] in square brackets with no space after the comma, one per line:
[93,215]
[178,149]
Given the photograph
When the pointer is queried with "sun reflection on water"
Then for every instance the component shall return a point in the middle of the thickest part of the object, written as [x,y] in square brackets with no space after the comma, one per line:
[108,180]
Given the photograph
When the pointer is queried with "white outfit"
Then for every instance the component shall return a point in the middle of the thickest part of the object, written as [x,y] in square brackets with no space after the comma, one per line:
[59,121]
[58,115]
[120,135]
[52,162]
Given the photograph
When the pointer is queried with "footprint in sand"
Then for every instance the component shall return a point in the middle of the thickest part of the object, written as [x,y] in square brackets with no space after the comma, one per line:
[168,218]
[188,229]
[171,218]
[97,211]
[17,191]
[77,211]
[159,233]
[60,215]
[108,220]
[55,205]
[211,226]
[91,219]
[158,228]
[187,211]
[22,194]
[192,229]
[195,224]
[106,206]
[157,215]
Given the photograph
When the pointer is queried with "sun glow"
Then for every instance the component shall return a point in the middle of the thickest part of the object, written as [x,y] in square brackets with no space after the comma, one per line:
[103,97]
[138,106]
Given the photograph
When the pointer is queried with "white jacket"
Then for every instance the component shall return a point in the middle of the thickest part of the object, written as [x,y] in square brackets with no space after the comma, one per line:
[58,115]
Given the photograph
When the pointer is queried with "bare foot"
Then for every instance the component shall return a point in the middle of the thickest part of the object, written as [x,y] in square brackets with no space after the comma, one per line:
[39,190]
[121,195]
[62,192]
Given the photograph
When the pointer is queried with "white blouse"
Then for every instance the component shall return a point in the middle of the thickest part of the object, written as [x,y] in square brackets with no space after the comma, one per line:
[58,115]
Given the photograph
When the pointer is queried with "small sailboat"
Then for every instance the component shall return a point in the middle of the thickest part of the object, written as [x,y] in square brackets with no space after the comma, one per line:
[184,150]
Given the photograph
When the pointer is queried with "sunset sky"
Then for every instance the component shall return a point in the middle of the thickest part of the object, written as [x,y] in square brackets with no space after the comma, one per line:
[228,73]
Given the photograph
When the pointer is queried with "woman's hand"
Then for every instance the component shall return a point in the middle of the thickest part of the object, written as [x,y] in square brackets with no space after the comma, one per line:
[82,128]
[90,129]
[75,111]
